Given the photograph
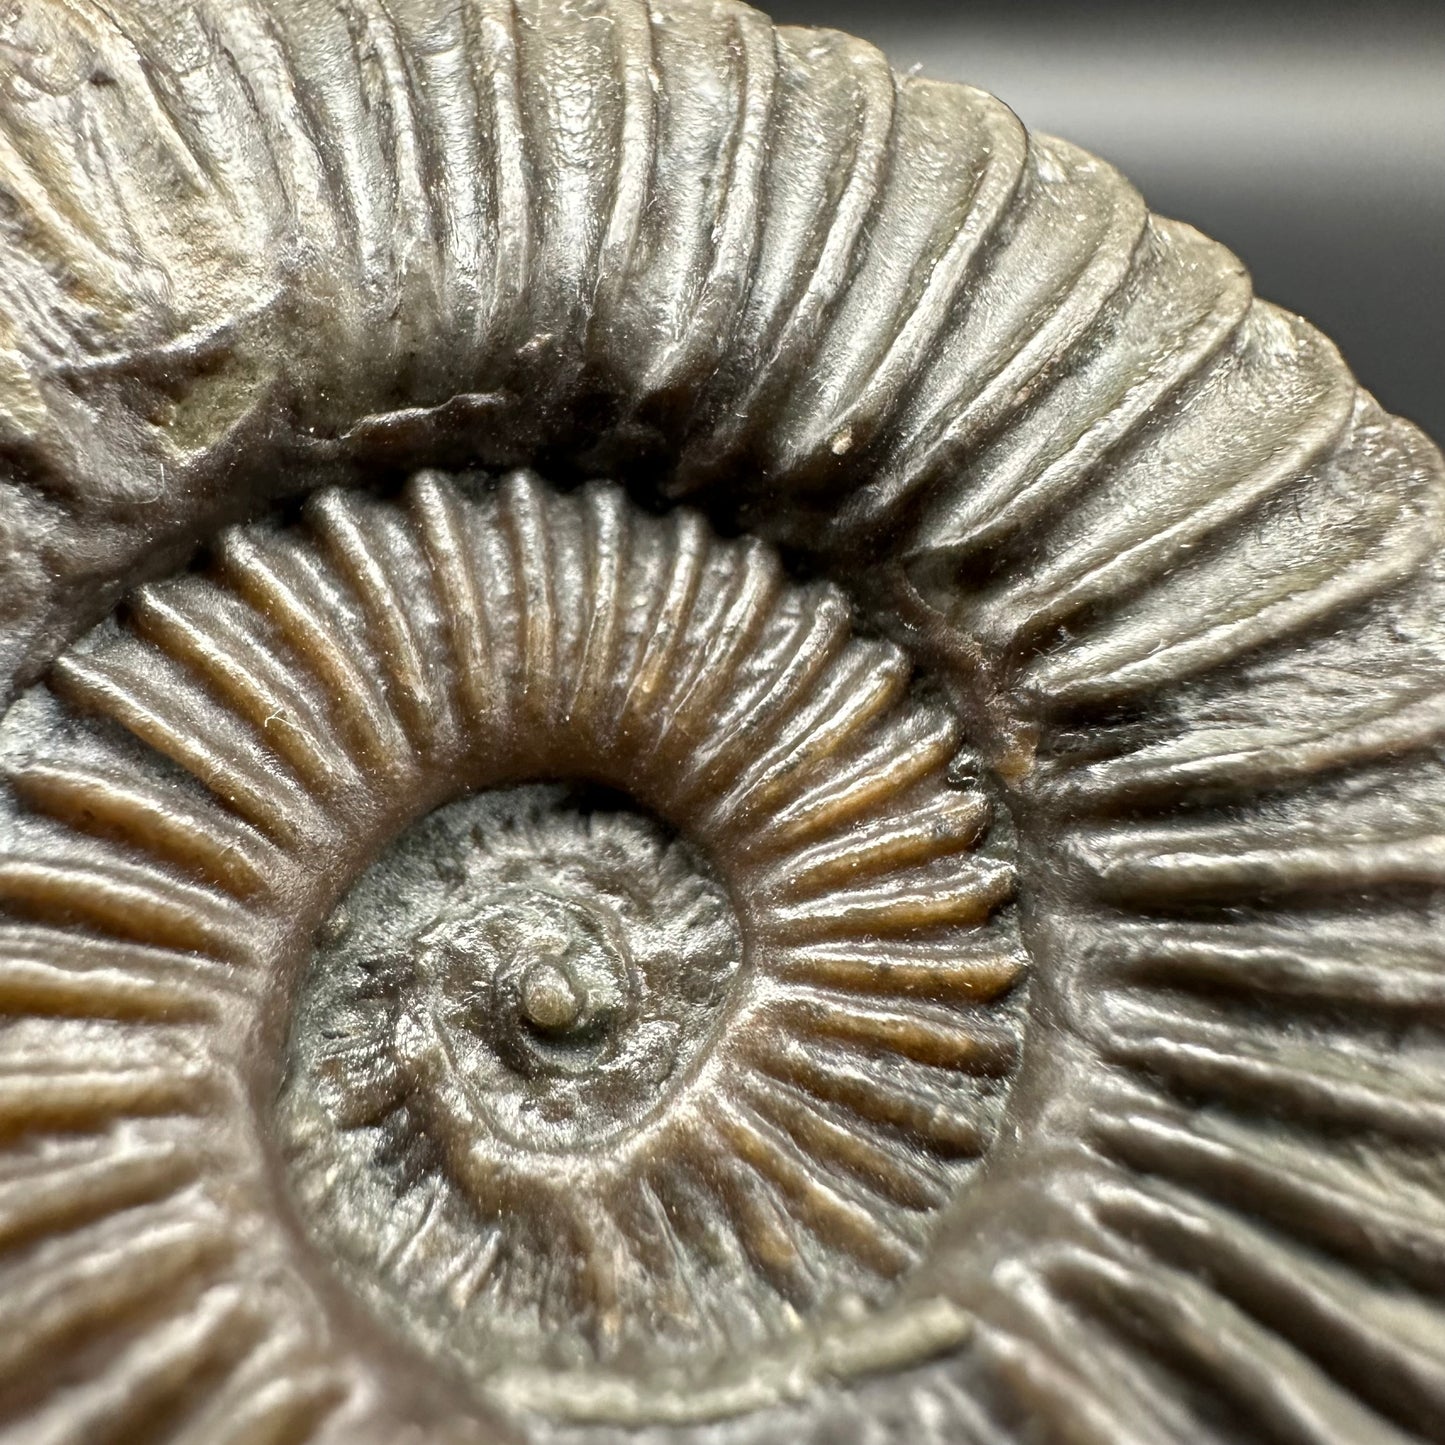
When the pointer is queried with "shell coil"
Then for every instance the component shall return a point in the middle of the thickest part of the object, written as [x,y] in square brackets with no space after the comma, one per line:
[917,903]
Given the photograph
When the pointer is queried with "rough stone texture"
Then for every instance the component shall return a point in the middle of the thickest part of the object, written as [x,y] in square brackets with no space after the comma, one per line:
[1119,562]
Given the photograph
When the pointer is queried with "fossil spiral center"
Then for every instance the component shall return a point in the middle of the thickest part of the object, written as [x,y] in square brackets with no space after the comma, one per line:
[573,1091]
[540,968]
[551,997]
[545,1014]
[1031,1025]
[562,978]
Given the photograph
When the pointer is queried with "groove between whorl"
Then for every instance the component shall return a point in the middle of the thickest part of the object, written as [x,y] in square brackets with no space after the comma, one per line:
[1177,573]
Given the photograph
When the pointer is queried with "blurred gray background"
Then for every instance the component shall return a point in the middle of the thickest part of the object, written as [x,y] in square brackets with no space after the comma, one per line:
[1307,136]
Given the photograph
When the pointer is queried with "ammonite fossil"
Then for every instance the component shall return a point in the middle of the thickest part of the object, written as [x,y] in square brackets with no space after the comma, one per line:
[698,746]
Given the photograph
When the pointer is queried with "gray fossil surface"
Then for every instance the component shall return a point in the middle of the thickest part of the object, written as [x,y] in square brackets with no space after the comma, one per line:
[698,745]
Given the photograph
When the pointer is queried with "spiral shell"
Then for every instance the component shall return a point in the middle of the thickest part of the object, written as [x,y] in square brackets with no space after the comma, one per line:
[1034,712]
[560,1073]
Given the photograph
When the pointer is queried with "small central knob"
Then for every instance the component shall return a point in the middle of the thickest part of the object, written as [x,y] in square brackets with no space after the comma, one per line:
[552,1000]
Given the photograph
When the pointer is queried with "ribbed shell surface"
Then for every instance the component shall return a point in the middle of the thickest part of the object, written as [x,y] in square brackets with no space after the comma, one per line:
[1176,574]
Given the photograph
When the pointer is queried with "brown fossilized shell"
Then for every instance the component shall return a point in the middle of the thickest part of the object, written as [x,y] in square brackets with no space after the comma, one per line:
[578,1088]
[699,746]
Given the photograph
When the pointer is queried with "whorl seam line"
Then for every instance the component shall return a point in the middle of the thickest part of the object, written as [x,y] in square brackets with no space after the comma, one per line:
[1177,573]
[426,226]
[383,656]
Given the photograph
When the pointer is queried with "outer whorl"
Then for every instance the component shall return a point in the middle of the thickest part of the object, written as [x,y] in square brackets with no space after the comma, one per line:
[913,913]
